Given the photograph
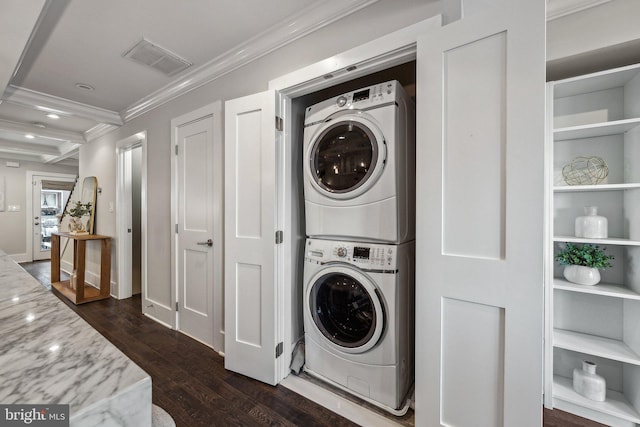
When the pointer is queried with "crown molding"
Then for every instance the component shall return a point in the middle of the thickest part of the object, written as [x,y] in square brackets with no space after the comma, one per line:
[310,19]
[26,148]
[48,133]
[559,8]
[43,102]
[98,131]
[64,156]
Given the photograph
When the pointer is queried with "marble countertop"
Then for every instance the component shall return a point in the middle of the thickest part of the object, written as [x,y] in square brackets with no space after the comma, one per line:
[49,355]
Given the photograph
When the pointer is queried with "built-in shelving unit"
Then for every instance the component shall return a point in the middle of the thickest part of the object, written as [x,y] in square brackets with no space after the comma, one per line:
[595,115]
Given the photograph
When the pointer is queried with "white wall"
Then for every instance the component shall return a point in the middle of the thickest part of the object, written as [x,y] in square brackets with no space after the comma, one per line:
[98,158]
[13,225]
[603,37]
[609,24]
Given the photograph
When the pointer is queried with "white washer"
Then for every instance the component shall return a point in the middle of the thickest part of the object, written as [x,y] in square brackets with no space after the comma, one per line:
[359,166]
[358,318]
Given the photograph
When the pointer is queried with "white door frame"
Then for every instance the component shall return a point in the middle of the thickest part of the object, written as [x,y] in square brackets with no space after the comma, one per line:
[387,51]
[214,109]
[124,268]
[29,206]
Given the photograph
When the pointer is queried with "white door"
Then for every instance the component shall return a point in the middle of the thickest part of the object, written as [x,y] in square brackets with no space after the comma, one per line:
[49,197]
[479,272]
[251,184]
[196,244]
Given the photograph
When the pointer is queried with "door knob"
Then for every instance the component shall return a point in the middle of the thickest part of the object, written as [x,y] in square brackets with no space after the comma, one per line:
[207,243]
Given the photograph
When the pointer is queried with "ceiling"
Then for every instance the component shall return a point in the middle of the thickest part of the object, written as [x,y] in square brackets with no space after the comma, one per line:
[66,57]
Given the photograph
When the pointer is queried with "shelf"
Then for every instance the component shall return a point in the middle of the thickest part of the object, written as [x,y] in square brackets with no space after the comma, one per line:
[595,346]
[603,289]
[597,187]
[90,293]
[596,129]
[616,404]
[604,242]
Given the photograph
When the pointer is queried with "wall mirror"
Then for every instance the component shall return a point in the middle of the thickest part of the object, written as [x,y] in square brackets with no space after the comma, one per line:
[88,195]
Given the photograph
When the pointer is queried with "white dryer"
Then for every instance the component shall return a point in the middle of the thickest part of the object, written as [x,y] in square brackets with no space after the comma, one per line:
[359,166]
[359,317]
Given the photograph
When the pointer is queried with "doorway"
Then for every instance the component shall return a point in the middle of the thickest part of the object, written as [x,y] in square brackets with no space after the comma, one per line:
[131,217]
[49,196]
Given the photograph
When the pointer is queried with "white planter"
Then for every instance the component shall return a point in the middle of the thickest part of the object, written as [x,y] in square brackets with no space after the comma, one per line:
[581,275]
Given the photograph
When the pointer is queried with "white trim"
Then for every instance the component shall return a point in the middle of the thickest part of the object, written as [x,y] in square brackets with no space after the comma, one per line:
[393,49]
[137,140]
[53,104]
[559,8]
[56,159]
[47,133]
[98,131]
[384,52]
[29,206]
[20,258]
[336,403]
[310,19]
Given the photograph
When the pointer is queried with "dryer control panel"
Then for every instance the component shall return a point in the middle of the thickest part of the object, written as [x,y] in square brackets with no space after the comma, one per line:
[364,255]
[378,95]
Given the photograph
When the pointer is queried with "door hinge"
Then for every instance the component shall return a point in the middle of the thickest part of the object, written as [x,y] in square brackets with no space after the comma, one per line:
[279,237]
[176,228]
[279,125]
[176,305]
[279,349]
[176,150]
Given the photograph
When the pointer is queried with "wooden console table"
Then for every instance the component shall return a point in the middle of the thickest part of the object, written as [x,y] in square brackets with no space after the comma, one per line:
[83,292]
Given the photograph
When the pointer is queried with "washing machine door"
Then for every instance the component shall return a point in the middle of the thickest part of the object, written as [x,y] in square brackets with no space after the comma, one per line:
[346,156]
[346,308]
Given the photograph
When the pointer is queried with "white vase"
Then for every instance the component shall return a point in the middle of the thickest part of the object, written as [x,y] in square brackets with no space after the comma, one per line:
[589,384]
[581,275]
[591,225]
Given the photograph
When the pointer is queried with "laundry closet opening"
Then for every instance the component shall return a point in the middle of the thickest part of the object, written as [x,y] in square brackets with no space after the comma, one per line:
[356,249]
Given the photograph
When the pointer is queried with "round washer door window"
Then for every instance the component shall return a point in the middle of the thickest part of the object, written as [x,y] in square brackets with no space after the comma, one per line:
[346,309]
[346,157]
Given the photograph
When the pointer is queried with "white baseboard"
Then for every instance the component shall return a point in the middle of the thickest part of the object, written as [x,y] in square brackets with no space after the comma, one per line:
[20,258]
[335,403]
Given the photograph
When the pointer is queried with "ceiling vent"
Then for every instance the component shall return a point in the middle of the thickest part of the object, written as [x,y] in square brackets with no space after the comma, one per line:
[156,57]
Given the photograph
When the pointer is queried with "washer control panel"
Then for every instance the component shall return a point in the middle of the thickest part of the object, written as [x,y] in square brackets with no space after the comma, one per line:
[364,255]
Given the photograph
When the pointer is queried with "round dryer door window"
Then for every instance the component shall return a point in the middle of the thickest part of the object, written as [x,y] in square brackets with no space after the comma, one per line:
[347,157]
[346,309]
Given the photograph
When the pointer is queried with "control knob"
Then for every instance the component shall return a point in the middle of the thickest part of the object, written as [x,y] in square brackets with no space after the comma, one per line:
[342,252]
[341,101]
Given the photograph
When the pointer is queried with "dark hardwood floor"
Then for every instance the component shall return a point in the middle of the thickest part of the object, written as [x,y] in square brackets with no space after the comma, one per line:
[189,379]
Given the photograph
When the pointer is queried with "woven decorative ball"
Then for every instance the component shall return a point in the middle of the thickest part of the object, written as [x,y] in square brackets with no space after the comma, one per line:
[585,171]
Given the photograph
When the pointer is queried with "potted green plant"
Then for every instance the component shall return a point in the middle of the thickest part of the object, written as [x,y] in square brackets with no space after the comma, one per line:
[76,212]
[583,263]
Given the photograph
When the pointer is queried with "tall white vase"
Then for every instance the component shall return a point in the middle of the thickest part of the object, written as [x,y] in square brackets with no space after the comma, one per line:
[589,384]
[591,225]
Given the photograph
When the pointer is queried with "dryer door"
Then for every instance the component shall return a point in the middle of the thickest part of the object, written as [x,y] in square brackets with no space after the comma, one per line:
[346,156]
[346,308]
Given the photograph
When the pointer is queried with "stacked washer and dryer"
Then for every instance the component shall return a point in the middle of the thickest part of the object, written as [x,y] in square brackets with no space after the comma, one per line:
[359,190]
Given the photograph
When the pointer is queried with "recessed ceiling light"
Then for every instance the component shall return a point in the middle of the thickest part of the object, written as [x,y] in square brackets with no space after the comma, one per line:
[29,136]
[84,86]
[39,125]
[53,116]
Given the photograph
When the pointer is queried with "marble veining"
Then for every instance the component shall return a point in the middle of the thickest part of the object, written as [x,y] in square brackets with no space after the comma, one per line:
[51,355]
